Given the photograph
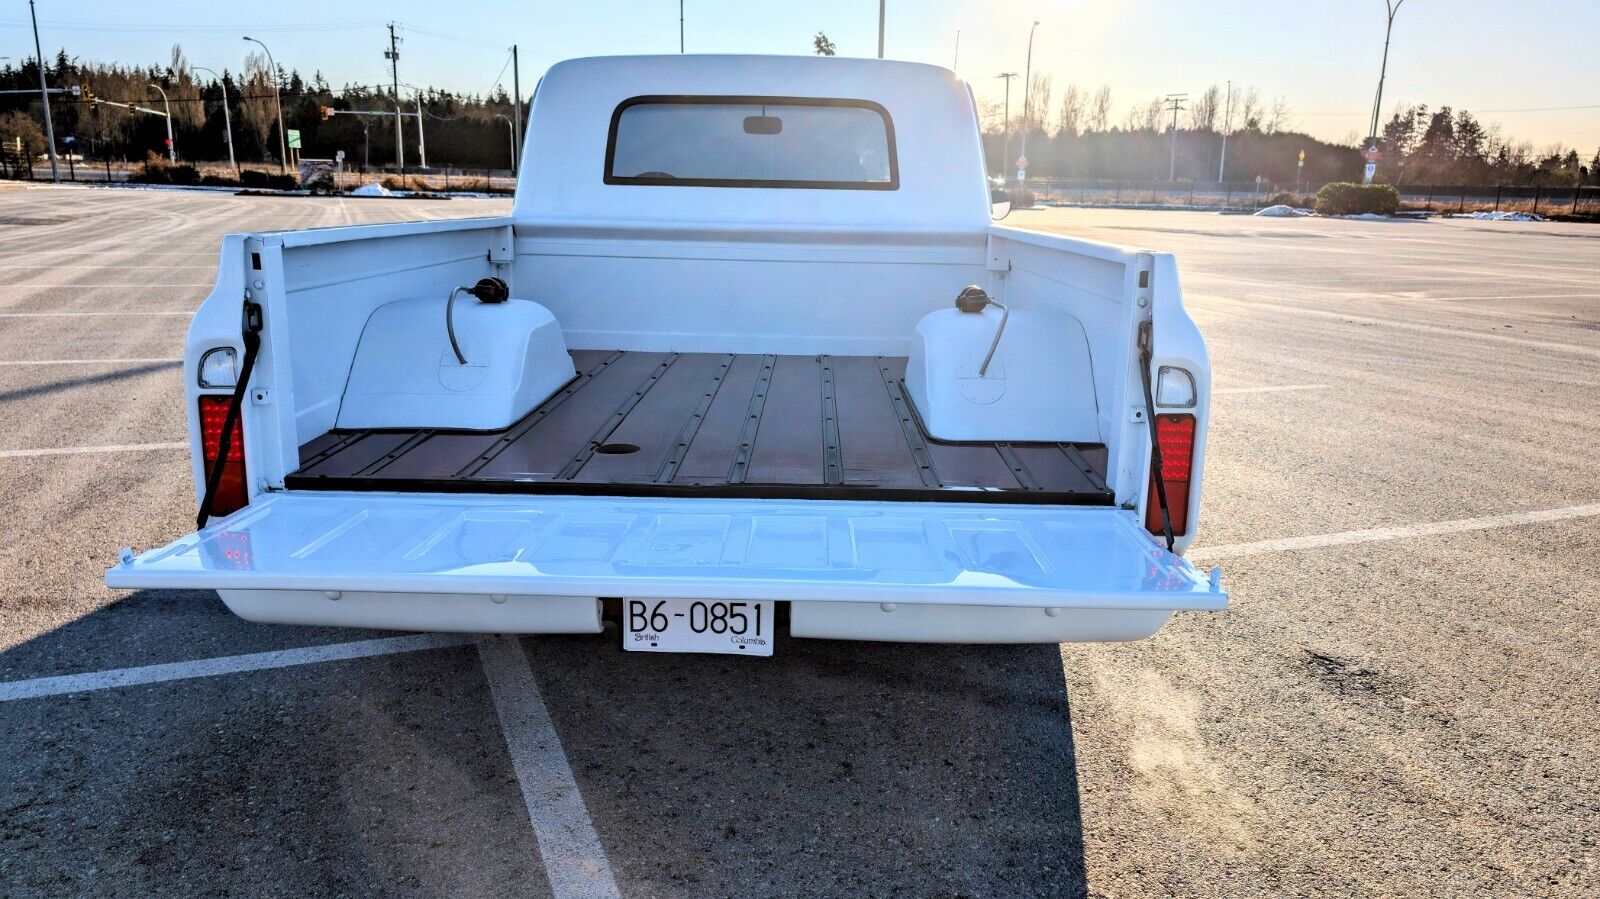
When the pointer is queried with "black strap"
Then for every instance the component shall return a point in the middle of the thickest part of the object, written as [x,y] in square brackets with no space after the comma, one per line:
[1155,440]
[252,344]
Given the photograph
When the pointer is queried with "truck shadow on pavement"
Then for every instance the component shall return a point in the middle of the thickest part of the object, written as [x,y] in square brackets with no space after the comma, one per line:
[833,768]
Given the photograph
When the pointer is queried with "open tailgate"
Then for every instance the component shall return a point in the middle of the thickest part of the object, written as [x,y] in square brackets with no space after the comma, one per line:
[977,554]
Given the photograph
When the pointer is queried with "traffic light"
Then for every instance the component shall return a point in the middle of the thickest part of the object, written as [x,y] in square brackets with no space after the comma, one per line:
[327,112]
[86,93]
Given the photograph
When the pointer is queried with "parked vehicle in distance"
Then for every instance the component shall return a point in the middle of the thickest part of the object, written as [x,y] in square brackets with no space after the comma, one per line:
[748,356]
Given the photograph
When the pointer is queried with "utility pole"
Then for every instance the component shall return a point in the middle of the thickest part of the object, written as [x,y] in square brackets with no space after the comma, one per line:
[680,26]
[1175,102]
[44,94]
[172,148]
[227,122]
[1005,128]
[277,101]
[516,108]
[880,26]
[1227,125]
[956,63]
[393,55]
[1027,92]
[422,140]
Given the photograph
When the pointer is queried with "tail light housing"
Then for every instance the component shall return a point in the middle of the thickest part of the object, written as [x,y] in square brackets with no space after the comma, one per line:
[232,492]
[1175,436]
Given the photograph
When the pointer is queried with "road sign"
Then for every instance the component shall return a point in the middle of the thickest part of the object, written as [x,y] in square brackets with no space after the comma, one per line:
[1372,153]
[339,156]
[294,138]
[1302,157]
[1372,169]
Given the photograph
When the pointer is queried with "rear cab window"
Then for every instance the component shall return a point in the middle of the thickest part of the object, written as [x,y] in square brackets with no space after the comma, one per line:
[714,141]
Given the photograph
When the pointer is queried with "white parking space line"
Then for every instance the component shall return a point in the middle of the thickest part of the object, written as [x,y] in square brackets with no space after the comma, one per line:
[1375,535]
[256,661]
[1279,389]
[573,859]
[78,450]
[89,361]
[124,314]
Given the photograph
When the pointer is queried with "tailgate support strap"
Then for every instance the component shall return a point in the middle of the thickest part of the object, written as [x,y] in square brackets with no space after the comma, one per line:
[252,344]
[1145,354]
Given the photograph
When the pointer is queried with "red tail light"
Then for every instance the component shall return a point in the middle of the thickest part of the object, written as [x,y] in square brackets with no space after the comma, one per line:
[231,490]
[1175,435]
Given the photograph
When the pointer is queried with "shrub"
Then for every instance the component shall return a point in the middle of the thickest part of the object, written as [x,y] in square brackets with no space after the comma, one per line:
[1023,198]
[217,181]
[185,174]
[258,180]
[1348,198]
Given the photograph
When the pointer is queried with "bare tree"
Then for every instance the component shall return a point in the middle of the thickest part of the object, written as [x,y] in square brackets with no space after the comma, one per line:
[1203,109]
[1100,110]
[1277,117]
[821,46]
[183,91]
[1073,107]
[1250,108]
[255,98]
[1039,103]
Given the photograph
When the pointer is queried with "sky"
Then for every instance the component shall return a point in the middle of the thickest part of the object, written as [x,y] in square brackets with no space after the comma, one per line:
[1522,63]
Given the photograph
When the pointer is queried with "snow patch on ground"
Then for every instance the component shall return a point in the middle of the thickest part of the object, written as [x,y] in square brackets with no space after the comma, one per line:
[1501,216]
[372,190]
[1282,211]
[1368,217]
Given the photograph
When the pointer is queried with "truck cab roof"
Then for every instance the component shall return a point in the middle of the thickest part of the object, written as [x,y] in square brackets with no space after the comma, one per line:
[923,172]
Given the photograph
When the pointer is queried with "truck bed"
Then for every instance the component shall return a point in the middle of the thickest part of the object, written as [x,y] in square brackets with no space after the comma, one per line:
[713,425]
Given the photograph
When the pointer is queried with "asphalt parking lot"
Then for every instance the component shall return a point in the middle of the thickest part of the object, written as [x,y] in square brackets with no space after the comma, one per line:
[1403,699]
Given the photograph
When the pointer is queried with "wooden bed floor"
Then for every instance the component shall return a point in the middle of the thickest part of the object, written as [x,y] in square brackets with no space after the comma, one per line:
[716,425]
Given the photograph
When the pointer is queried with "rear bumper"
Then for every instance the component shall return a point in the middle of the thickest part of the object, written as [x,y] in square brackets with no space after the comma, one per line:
[504,614]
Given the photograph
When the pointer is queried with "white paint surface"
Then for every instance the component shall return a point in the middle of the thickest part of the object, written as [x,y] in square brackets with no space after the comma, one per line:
[1375,535]
[256,661]
[78,450]
[573,859]
[1282,388]
[88,361]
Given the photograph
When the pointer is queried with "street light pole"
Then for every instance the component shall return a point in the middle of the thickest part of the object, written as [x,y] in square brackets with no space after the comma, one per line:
[227,121]
[1005,130]
[511,134]
[881,4]
[44,94]
[1027,92]
[1383,70]
[277,100]
[172,148]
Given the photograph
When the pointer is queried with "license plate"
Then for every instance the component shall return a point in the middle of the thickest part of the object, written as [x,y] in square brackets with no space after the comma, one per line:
[698,625]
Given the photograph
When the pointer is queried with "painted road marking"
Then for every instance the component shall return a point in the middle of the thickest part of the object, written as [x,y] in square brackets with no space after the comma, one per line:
[255,661]
[1375,535]
[1277,389]
[88,361]
[573,859]
[77,450]
[65,314]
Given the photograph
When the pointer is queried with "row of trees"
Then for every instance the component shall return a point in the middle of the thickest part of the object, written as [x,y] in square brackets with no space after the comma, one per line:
[462,129]
[1075,135]
[1448,146]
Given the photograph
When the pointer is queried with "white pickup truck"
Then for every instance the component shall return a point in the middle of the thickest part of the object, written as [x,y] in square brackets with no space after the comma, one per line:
[749,359]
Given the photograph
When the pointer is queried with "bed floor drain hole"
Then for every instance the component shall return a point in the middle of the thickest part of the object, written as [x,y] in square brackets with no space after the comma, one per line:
[616,449]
